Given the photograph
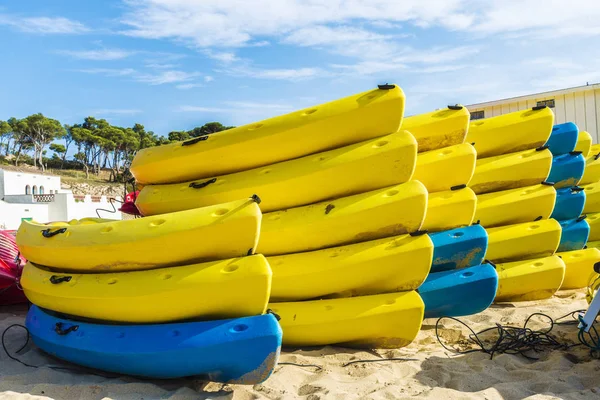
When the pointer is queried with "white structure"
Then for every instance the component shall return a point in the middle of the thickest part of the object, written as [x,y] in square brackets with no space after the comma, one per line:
[580,105]
[40,198]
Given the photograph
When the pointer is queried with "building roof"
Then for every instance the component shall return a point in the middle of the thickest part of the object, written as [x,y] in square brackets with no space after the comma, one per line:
[589,86]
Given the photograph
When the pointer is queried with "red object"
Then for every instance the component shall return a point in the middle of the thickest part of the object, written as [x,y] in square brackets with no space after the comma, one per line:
[11,266]
[128,206]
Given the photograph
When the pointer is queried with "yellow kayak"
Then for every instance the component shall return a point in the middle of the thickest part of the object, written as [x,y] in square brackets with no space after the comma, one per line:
[327,126]
[446,168]
[515,206]
[450,209]
[591,174]
[510,171]
[593,244]
[584,143]
[592,198]
[523,241]
[230,288]
[508,133]
[385,321]
[579,267]
[528,280]
[387,265]
[349,170]
[593,220]
[367,216]
[216,232]
[440,128]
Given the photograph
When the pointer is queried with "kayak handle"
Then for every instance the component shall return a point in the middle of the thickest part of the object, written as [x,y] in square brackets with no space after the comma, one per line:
[387,86]
[47,234]
[195,140]
[576,189]
[59,279]
[58,328]
[200,185]
[581,218]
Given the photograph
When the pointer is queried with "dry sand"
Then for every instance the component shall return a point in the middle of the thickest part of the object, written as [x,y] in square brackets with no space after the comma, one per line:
[430,371]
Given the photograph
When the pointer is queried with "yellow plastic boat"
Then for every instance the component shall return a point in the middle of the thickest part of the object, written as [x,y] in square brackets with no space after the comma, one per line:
[593,244]
[372,215]
[446,168]
[523,241]
[508,133]
[515,206]
[323,127]
[584,143]
[349,170]
[221,231]
[592,198]
[579,267]
[230,288]
[510,171]
[387,265]
[591,174]
[440,128]
[593,220]
[384,321]
[450,209]
[528,280]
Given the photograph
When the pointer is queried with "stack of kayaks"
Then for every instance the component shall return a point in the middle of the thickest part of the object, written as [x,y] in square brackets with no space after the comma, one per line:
[456,285]
[368,222]
[184,290]
[580,262]
[516,200]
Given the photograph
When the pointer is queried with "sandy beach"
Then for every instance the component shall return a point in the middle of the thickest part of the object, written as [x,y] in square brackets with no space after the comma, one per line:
[426,369]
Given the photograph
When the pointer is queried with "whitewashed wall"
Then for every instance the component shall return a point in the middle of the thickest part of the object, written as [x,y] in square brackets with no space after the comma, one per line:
[14,182]
[11,214]
[65,208]
[582,108]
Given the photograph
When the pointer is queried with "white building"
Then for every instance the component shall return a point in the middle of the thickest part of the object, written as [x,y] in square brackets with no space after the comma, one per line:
[580,105]
[26,196]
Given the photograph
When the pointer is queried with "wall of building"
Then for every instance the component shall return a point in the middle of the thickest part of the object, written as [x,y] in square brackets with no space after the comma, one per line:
[65,208]
[14,183]
[11,214]
[581,107]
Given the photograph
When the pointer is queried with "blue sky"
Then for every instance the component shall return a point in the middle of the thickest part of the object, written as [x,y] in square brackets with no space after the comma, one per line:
[176,64]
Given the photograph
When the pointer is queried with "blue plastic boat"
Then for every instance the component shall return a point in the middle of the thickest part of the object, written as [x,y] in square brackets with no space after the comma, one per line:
[563,138]
[459,292]
[567,169]
[575,233]
[242,350]
[458,248]
[569,203]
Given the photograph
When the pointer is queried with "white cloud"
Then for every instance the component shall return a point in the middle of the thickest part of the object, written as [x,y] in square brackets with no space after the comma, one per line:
[169,76]
[161,66]
[116,111]
[98,55]
[188,86]
[202,109]
[225,57]
[44,25]
[255,105]
[208,78]
[287,74]
[108,71]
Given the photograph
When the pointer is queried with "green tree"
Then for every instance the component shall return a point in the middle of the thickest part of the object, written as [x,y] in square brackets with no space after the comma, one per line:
[178,136]
[39,131]
[208,128]
[60,151]
[5,133]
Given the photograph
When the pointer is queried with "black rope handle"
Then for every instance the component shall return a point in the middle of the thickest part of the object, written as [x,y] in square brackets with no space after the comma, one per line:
[581,218]
[387,86]
[200,185]
[58,328]
[597,156]
[58,279]
[47,234]
[576,189]
[277,317]
[195,140]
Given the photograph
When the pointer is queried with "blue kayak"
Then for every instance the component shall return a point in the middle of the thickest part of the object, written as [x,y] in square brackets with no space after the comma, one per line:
[563,138]
[569,204]
[459,292]
[242,350]
[567,169]
[575,233]
[458,248]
